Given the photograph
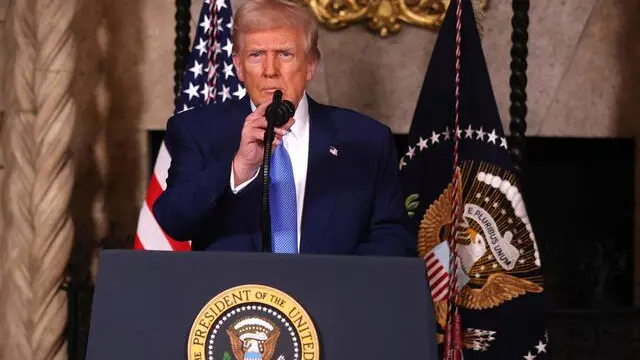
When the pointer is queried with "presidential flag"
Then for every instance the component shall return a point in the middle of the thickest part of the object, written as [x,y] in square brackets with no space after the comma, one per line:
[210,77]
[499,285]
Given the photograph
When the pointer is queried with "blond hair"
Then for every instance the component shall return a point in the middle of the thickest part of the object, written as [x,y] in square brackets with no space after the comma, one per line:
[255,15]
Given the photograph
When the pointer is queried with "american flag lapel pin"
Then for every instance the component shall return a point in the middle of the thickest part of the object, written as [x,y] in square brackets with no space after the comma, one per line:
[333,151]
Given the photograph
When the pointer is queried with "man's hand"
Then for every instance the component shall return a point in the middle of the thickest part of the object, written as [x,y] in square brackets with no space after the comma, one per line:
[251,151]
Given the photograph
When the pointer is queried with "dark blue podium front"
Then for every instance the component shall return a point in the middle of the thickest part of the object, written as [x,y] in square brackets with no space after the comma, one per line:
[146,302]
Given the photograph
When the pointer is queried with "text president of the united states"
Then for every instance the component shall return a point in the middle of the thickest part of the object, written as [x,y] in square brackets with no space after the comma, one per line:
[335,187]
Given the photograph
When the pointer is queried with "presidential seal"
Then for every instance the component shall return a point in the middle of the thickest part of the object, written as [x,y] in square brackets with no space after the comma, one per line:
[253,322]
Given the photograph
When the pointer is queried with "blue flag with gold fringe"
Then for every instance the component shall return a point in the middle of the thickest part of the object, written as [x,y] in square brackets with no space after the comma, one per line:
[499,275]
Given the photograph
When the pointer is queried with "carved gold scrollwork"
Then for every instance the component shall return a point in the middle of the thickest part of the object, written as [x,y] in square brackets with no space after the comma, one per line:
[383,16]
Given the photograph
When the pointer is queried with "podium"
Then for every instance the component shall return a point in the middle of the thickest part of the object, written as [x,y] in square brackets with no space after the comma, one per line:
[258,306]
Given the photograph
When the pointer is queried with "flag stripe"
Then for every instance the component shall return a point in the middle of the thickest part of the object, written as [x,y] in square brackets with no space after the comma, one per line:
[434,269]
[149,233]
[441,287]
[441,293]
[437,276]
[161,170]
[154,191]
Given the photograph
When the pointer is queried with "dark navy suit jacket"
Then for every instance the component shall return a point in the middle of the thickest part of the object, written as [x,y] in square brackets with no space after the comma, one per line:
[353,202]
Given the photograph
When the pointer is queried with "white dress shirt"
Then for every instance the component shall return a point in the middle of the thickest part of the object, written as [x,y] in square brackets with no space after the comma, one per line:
[297,144]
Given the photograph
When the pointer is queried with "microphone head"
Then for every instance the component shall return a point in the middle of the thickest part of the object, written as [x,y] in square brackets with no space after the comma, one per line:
[283,111]
[280,110]
[288,109]
[277,96]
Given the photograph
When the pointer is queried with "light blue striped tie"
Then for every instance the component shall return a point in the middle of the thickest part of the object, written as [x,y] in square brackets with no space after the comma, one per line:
[284,226]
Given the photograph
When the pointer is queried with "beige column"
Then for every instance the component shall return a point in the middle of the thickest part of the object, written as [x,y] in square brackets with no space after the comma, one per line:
[38,231]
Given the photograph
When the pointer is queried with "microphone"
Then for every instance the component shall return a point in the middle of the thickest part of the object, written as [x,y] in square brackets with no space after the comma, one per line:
[277,114]
[279,111]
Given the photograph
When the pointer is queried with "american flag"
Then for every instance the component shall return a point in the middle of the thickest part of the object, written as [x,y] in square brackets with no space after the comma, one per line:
[210,76]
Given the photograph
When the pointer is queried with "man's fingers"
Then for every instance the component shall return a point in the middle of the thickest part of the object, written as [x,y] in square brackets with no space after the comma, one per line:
[288,124]
[256,123]
[261,123]
[255,134]
[280,131]
[260,110]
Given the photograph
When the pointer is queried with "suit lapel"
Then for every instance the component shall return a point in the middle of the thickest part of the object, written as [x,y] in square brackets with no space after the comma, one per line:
[320,194]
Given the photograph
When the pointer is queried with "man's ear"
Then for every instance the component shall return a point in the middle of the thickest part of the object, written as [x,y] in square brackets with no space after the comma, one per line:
[311,69]
[239,70]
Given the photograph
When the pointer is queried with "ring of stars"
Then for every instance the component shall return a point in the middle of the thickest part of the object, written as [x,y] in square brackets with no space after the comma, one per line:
[441,137]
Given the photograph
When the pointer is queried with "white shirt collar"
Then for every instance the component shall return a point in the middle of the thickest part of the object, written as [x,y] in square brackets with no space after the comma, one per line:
[301,116]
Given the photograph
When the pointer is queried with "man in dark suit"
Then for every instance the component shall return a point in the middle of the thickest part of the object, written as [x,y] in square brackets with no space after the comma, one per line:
[335,188]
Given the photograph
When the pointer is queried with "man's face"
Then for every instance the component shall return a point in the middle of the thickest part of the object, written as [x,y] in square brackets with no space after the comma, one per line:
[274,59]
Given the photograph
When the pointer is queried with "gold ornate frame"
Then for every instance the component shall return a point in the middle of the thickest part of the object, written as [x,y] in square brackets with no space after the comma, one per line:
[384,16]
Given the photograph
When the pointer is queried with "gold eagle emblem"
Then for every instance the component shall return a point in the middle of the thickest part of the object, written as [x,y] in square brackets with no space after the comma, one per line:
[488,282]
[253,336]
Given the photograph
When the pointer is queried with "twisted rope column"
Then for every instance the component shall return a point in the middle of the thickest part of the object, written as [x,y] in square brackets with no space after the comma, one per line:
[182,44]
[518,84]
[18,149]
[39,179]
